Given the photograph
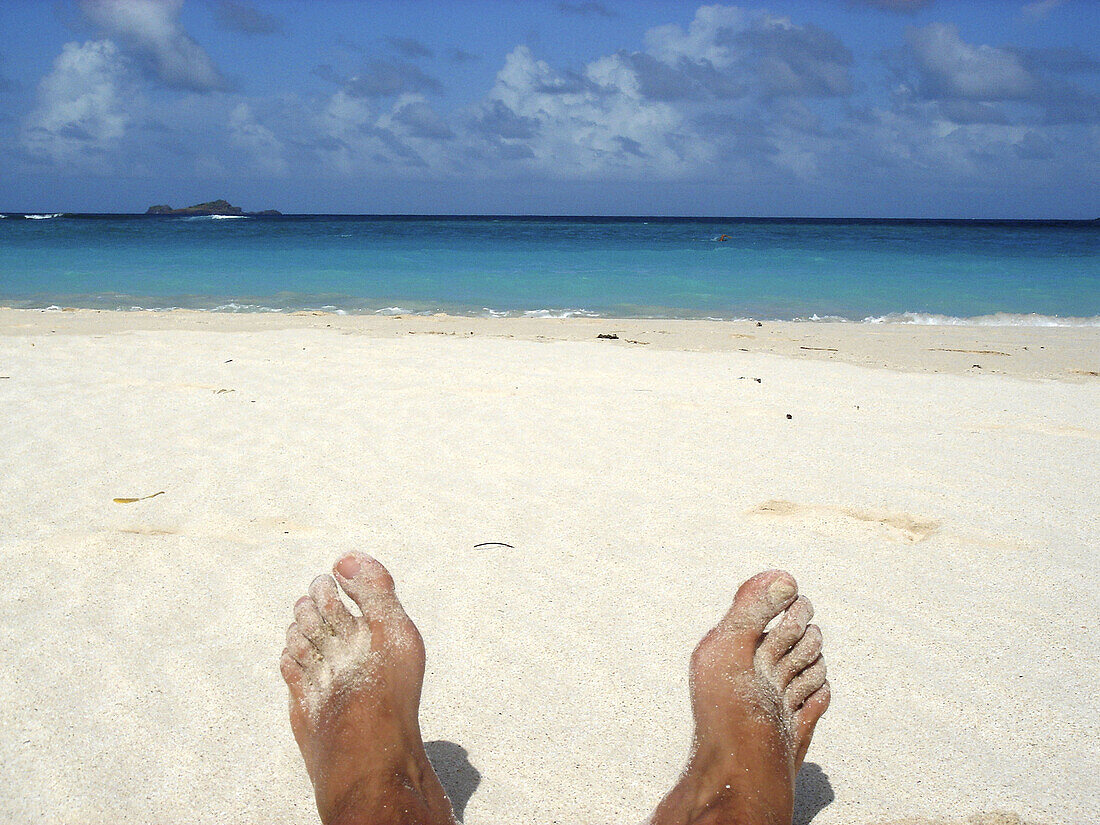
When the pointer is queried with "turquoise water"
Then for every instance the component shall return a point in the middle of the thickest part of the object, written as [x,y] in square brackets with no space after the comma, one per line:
[1000,272]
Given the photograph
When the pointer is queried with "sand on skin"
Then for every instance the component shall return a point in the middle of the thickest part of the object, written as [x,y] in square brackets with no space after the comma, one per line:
[942,518]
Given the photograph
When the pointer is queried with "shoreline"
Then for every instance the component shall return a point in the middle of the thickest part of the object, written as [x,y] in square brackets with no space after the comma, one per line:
[1065,353]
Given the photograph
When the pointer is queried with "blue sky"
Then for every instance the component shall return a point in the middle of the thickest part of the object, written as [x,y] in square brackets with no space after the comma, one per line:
[923,108]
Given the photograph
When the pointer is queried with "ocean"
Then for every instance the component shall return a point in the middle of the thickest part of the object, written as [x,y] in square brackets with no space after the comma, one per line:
[994,272]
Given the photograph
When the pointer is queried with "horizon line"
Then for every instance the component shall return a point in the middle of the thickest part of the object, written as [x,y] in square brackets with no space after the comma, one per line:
[565,216]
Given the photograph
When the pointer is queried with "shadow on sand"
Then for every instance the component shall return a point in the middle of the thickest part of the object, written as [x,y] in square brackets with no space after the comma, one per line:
[812,793]
[458,777]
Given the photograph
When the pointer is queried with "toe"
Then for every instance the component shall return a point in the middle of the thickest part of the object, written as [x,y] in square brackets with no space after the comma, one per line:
[299,647]
[370,586]
[327,601]
[759,600]
[806,719]
[801,656]
[291,670]
[363,577]
[805,684]
[310,624]
[813,707]
[789,630]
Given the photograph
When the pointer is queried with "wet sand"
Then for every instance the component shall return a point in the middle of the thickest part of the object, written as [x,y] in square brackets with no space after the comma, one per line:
[932,488]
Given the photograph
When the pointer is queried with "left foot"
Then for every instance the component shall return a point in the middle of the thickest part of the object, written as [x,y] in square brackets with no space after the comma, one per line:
[354,701]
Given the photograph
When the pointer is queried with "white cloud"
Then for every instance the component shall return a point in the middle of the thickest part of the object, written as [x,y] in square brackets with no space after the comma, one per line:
[263,147]
[593,123]
[920,141]
[706,39]
[951,68]
[697,95]
[151,29]
[740,97]
[973,83]
[416,119]
[80,112]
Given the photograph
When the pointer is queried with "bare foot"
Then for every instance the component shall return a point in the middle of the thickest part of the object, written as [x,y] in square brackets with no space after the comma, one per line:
[354,701]
[756,697]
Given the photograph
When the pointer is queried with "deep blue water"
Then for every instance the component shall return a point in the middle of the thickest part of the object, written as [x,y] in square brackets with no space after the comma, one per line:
[658,267]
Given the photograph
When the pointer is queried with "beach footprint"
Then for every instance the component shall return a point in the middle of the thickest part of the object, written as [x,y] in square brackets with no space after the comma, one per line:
[902,527]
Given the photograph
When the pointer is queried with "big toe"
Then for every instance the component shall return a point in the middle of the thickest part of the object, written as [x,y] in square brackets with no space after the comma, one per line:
[759,600]
[369,584]
[363,577]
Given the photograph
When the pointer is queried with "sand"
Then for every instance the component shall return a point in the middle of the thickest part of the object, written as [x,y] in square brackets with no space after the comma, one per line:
[933,489]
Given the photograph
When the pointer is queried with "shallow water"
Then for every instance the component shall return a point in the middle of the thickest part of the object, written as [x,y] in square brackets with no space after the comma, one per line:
[907,271]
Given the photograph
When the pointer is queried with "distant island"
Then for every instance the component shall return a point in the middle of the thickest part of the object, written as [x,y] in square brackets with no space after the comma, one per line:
[218,207]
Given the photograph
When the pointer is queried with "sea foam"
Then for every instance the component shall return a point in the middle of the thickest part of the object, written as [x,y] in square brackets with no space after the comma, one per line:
[999,319]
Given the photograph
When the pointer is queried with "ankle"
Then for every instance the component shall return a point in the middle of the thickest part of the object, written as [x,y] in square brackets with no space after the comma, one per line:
[397,797]
[715,790]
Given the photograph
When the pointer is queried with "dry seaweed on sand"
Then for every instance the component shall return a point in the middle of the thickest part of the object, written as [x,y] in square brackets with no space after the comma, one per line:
[140,498]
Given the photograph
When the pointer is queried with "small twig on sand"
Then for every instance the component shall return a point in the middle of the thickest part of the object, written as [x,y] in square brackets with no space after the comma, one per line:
[142,498]
[969,351]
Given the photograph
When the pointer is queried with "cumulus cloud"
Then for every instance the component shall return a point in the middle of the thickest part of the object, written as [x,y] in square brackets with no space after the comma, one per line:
[948,67]
[685,80]
[706,39]
[340,127]
[417,119]
[260,144]
[755,99]
[802,61]
[583,124]
[496,120]
[725,86]
[151,30]
[727,48]
[938,65]
[80,112]
[354,137]
[239,16]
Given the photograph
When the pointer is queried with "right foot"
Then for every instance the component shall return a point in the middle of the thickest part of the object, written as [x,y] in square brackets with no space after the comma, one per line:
[354,699]
[756,697]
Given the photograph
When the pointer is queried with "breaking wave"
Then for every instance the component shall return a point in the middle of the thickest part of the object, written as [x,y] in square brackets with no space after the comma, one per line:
[999,319]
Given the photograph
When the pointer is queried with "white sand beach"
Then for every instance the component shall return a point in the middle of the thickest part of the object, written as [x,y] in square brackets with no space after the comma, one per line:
[933,489]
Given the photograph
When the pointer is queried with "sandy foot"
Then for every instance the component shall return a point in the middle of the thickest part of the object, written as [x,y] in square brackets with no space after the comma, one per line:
[354,700]
[756,697]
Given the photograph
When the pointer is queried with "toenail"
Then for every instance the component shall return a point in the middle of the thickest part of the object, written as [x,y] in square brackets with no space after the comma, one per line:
[302,600]
[782,589]
[348,567]
[318,580]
